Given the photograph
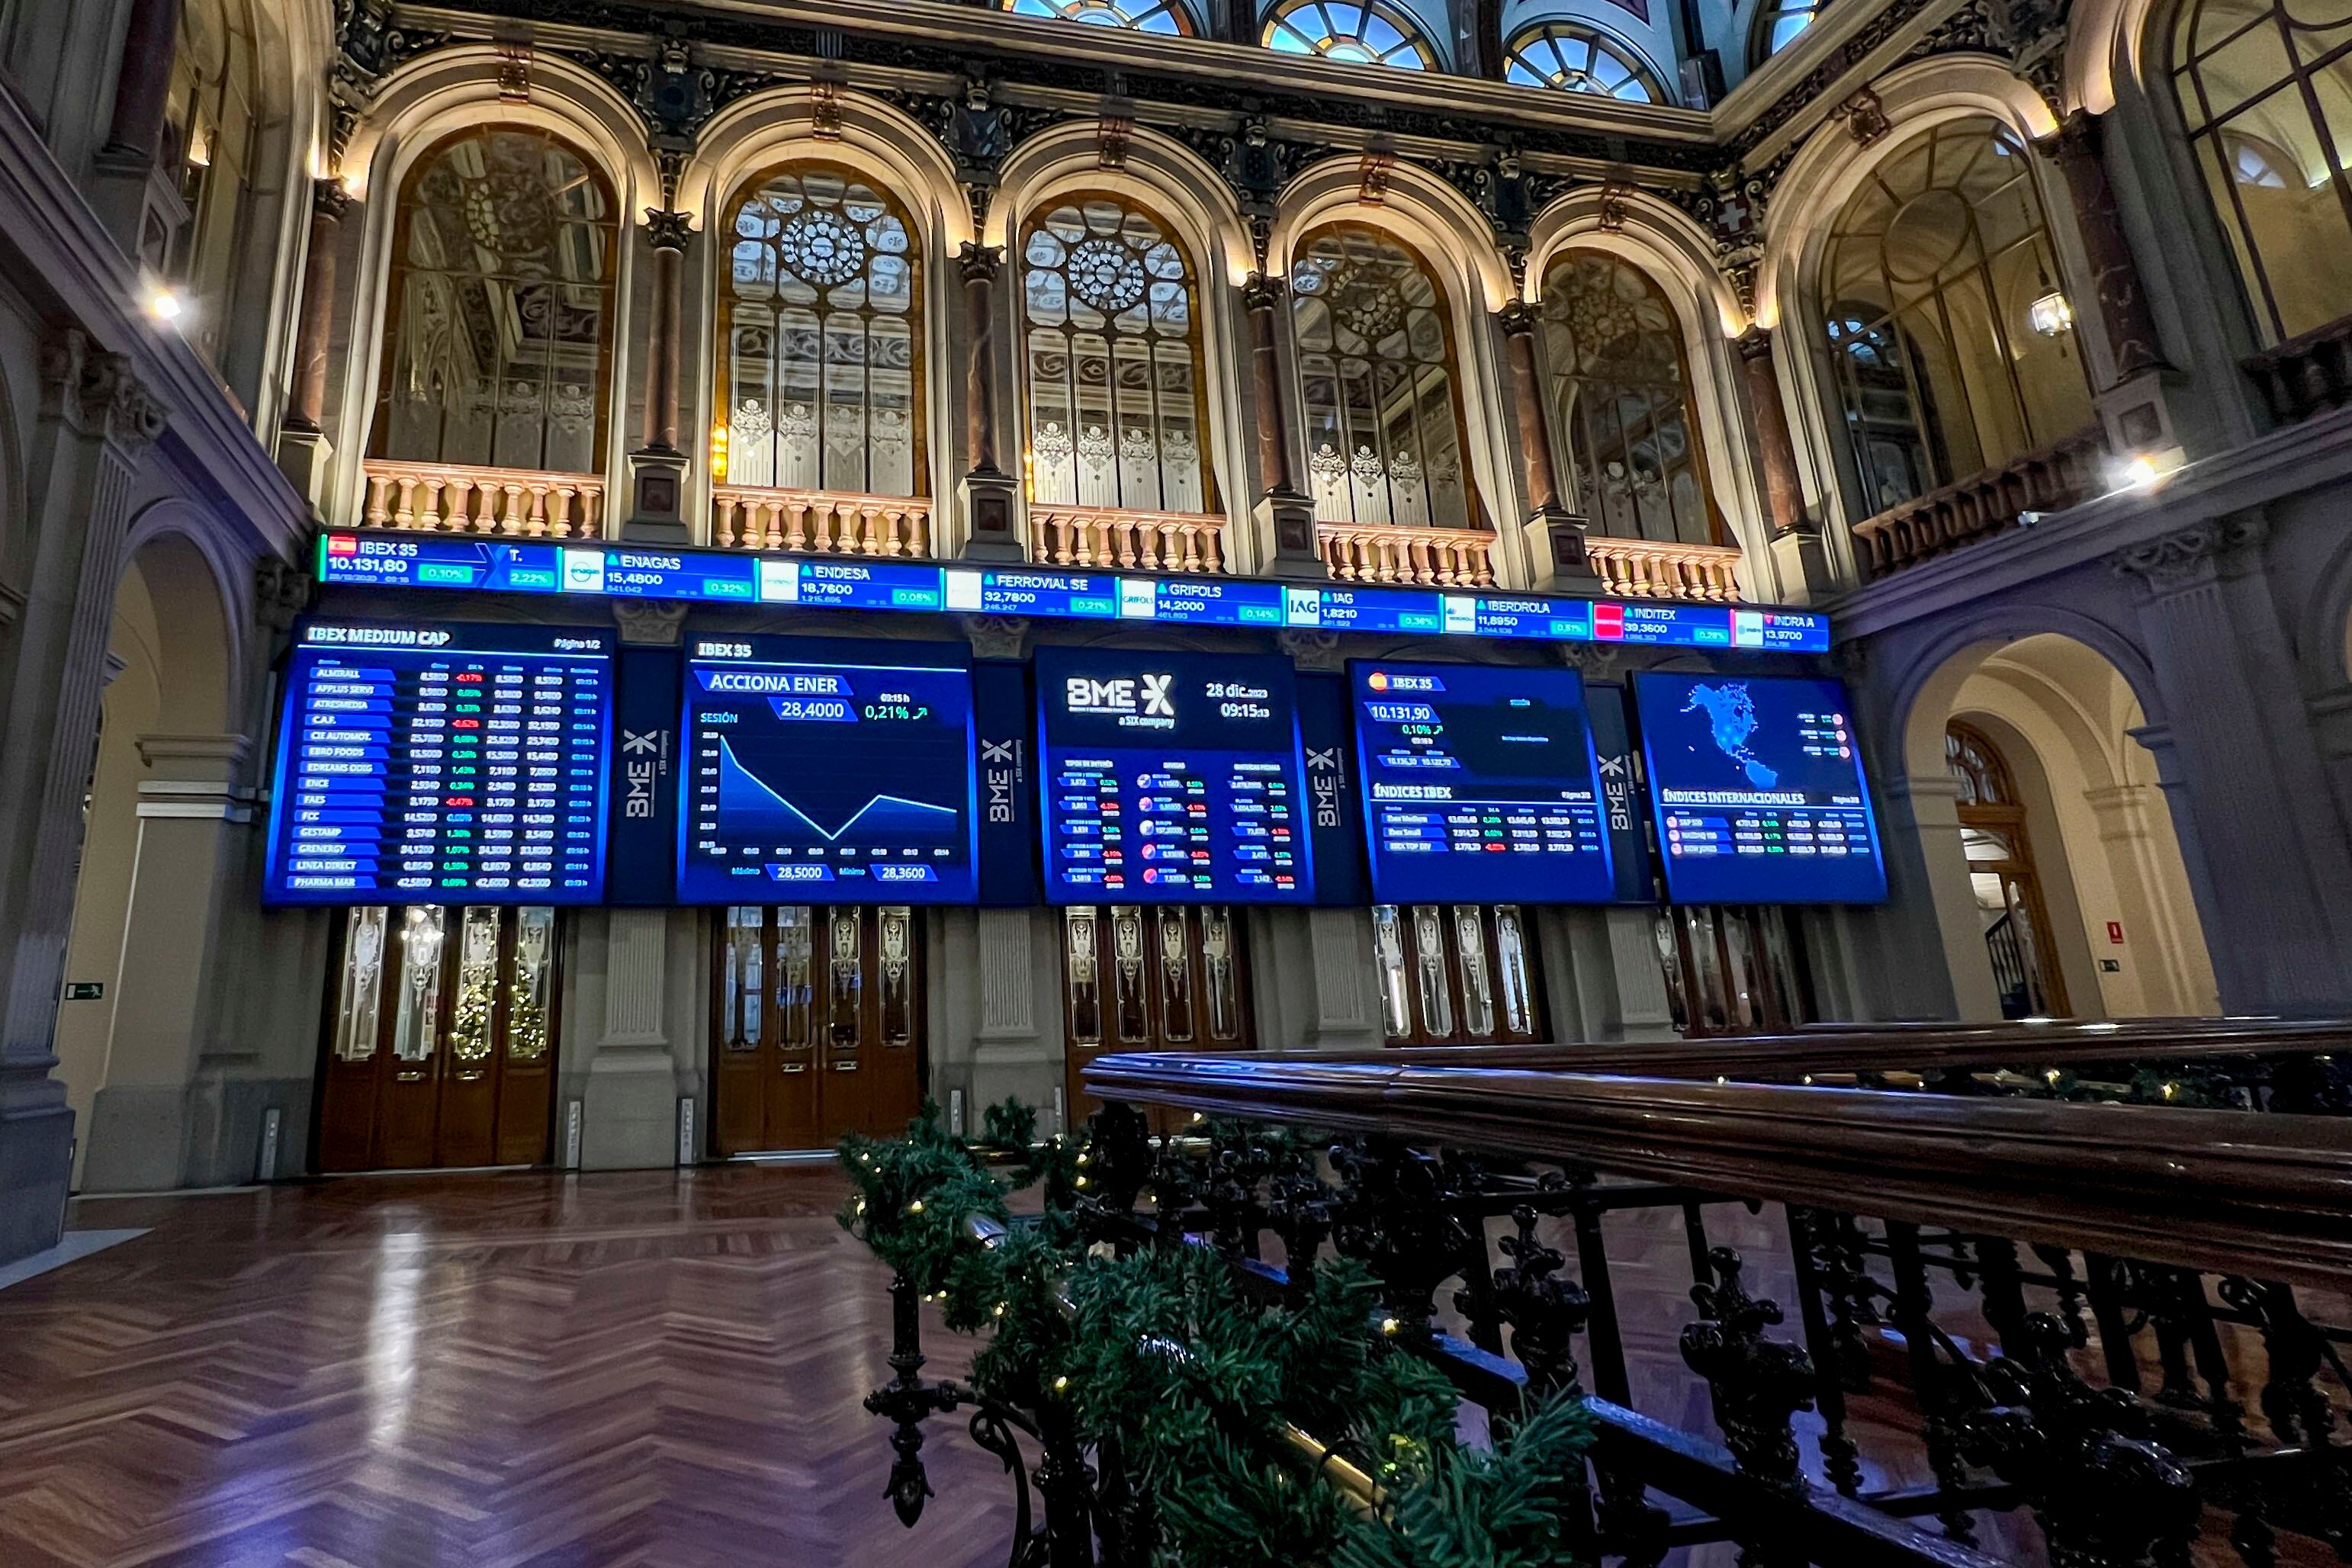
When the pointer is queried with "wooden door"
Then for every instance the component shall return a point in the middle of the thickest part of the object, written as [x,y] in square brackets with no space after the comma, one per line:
[1733,969]
[1145,977]
[817,1025]
[1457,974]
[440,1051]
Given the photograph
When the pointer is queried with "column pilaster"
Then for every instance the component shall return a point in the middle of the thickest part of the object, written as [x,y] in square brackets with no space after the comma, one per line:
[1285,511]
[96,421]
[657,469]
[1797,555]
[1555,534]
[992,497]
[2131,401]
[304,451]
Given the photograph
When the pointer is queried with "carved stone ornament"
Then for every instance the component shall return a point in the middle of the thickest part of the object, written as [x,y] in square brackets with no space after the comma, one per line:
[824,116]
[1515,320]
[651,623]
[281,591]
[979,263]
[514,73]
[1262,292]
[1613,206]
[1373,171]
[1865,117]
[1755,344]
[1311,648]
[98,393]
[1112,133]
[330,200]
[668,229]
[2192,556]
[998,637]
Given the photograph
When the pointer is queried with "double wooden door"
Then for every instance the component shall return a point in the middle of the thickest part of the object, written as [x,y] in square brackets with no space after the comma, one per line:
[1457,974]
[1144,977]
[817,1025]
[441,1047]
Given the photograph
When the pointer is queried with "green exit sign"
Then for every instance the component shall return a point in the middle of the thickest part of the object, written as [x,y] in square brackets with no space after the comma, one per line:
[84,990]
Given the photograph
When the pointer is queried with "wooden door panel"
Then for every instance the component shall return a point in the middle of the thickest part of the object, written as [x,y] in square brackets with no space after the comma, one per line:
[1149,978]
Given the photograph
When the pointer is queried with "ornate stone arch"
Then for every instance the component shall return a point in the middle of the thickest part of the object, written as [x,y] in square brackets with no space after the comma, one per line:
[881,145]
[2102,47]
[1455,239]
[205,599]
[1822,177]
[1669,246]
[1931,676]
[442,94]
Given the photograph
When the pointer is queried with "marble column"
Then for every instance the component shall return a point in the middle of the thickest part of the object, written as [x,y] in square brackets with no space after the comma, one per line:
[991,496]
[303,451]
[657,469]
[1797,555]
[1555,535]
[1931,911]
[195,817]
[96,421]
[2132,402]
[1284,510]
[142,88]
[2276,878]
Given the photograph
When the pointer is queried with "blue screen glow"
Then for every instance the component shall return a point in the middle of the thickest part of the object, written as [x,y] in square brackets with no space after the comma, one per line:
[1479,786]
[817,773]
[1171,778]
[1759,790]
[441,764]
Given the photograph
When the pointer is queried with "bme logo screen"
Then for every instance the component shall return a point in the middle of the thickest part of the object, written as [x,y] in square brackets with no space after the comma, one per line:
[1175,778]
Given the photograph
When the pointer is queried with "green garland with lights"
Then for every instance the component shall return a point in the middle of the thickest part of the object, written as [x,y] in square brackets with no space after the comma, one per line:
[1213,1403]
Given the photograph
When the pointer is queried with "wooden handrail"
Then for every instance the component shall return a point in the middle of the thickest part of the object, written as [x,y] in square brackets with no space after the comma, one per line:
[1859,1049]
[2269,1196]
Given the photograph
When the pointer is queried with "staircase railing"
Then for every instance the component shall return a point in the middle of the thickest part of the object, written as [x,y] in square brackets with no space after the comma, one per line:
[2095,1332]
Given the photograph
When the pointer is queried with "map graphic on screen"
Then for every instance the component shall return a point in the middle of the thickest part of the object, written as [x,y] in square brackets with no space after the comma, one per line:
[1758,788]
[1171,778]
[1479,785]
[814,774]
[441,763]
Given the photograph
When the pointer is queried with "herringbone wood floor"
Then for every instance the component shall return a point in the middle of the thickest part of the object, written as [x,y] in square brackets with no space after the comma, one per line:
[408,1373]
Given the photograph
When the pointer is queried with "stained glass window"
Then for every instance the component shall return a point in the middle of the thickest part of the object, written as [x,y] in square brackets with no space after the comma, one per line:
[820,318]
[1384,431]
[1577,59]
[1365,32]
[502,306]
[1930,275]
[1779,24]
[1138,15]
[1622,402]
[2266,95]
[1114,360]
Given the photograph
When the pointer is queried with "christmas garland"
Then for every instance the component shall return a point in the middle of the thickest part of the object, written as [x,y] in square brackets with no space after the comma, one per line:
[1205,1397]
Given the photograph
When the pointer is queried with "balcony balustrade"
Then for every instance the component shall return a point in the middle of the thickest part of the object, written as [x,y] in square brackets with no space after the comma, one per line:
[1445,557]
[2064,474]
[1069,535]
[820,522]
[1645,568]
[448,497]
[2307,375]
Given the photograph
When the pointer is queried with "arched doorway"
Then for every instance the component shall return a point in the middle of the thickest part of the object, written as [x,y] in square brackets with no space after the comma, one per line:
[2059,885]
[161,821]
[1999,844]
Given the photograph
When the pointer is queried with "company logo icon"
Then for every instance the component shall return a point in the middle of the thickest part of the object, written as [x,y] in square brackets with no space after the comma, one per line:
[1156,697]
[646,744]
[1149,696]
[996,752]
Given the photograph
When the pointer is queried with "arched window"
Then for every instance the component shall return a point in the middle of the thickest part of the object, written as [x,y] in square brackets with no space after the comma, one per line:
[213,120]
[1384,431]
[820,322]
[1929,284]
[1578,58]
[1779,24]
[1165,17]
[1113,360]
[1622,402]
[502,306]
[2265,96]
[1367,32]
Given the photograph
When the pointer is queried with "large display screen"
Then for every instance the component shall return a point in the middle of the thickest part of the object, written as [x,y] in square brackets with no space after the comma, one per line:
[826,771]
[1171,778]
[1759,790]
[441,764]
[391,560]
[1479,786]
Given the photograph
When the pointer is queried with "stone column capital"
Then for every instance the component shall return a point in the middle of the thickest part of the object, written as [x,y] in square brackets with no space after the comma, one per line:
[667,228]
[98,393]
[977,263]
[2192,556]
[1263,291]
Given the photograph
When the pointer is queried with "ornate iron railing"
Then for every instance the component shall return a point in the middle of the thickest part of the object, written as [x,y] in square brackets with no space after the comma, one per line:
[1106,536]
[2064,474]
[820,522]
[1645,569]
[1449,557]
[2096,1332]
[447,498]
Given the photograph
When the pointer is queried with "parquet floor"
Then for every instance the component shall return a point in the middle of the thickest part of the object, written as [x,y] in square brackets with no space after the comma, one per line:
[408,1373]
